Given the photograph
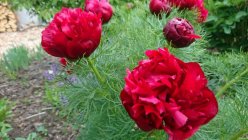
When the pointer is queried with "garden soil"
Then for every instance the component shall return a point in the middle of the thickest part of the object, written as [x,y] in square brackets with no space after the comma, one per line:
[26,94]
[29,110]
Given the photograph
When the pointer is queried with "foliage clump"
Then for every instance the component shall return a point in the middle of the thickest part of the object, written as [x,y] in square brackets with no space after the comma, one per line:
[227,24]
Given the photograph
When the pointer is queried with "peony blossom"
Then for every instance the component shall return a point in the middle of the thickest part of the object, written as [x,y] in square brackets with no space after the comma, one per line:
[203,14]
[185,4]
[179,32]
[72,34]
[102,7]
[192,4]
[166,93]
[160,6]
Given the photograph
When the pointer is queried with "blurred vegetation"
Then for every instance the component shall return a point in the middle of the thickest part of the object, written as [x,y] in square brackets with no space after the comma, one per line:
[14,59]
[18,58]
[227,24]
[44,8]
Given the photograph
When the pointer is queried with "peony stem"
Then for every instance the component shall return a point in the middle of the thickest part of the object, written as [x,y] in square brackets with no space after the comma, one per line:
[94,69]
[229,84]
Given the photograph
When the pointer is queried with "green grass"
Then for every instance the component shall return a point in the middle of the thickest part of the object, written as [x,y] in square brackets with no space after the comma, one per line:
[96,108]
[15,59]
[18,58]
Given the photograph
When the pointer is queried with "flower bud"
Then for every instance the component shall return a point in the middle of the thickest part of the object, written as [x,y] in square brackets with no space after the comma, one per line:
[158,7]
[63,62]
[101,7]
[180,33]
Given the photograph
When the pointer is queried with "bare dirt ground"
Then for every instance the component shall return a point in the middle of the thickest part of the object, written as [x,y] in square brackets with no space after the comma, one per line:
[29,38]
[29,110]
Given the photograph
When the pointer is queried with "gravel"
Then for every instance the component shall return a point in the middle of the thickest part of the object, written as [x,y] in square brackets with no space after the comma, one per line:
[29,38]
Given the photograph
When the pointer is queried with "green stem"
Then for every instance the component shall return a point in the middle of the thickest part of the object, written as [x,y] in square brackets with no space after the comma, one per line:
[94,69]
[230,83]
[239,134]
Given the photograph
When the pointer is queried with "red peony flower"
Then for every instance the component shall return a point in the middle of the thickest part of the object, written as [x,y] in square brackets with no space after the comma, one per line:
[179,32]
[192,4]
[185,4]
[72,34]
[102,7]
[203,14]
[164,92]
[160,6]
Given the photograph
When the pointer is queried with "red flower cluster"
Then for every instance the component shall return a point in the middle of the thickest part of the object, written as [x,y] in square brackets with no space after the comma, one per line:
[180,33]
[72,34]
[164,92]
[100,7]
[159,6]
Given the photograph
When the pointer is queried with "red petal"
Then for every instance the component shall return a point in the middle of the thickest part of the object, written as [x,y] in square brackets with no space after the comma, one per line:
[194,36]
[152,100]
[180,118]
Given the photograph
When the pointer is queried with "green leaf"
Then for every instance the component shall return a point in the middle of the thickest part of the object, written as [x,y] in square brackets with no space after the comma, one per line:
[42,129]
[212,18]
[32,136]
[229,21]
[20,139]
[227,30]
[240,14]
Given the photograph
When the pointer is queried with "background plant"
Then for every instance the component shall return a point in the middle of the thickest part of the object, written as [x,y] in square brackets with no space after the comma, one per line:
[14,59]
[227,24]
[5,112]
[18,58]
[37,135]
